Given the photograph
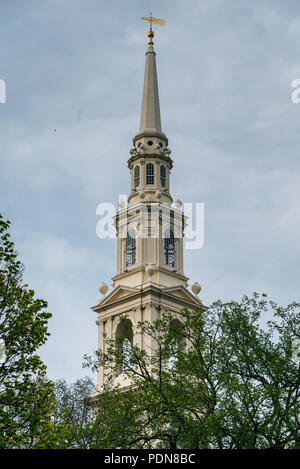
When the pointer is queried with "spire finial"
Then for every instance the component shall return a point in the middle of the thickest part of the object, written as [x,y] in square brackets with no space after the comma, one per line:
[151,21]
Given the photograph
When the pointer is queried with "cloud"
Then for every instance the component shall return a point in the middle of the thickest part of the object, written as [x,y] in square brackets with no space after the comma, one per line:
[59,271]
[74,73]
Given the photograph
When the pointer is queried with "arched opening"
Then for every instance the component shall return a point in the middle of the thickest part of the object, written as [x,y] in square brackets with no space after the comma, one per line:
[149,173]
[130,248]
[136,176]
[124,342]
[163,176]
[169,248]
[176,342]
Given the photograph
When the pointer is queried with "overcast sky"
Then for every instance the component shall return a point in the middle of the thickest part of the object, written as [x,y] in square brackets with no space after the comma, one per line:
[225,70]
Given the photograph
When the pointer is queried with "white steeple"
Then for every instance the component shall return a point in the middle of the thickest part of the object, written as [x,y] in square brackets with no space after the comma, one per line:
[150,115]
[150,277]
[150,122]
[150,199]
[150,148]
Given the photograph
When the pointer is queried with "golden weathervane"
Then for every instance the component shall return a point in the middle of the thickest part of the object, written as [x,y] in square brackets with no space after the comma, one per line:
[151,21]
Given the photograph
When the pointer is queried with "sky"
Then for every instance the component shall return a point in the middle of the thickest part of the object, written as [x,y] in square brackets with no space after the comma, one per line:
[74,74]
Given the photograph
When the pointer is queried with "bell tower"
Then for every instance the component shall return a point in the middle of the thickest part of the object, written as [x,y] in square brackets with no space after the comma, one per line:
[150,277]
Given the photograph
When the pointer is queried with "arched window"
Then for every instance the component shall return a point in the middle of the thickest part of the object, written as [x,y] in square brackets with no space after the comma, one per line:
[169,248]
[149,173]
[130,248]
[136,176]
[163,176]
[124,342]
[176,342]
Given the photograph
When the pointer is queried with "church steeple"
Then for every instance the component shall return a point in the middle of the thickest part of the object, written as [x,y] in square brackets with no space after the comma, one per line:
[150,165]
[150,115]
[150,162]
[150,276]
[150,122]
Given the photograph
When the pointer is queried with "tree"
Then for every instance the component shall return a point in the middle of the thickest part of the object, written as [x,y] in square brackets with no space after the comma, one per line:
[74,412]
[232,383]
[27,398]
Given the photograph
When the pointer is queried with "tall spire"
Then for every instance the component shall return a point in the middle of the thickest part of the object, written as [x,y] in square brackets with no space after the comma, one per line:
[150,123]
[150,115]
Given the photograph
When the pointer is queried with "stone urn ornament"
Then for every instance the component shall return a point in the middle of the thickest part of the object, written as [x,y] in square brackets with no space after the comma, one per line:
[196,288]
[103,289]
[150,270]
[178,204]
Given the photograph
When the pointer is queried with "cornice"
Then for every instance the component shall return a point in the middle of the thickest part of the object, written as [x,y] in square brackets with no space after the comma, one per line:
[141,156]
[158,293]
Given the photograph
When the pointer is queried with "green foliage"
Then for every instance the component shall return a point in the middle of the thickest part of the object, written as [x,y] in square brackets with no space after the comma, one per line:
[233,383]
[74,413]
[27,398]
